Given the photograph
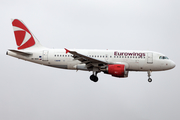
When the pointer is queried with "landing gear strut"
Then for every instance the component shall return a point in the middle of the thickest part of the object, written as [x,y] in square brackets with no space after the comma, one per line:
[149,75]
[94,77]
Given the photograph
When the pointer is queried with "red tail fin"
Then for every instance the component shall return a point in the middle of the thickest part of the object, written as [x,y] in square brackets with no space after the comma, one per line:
[24,38]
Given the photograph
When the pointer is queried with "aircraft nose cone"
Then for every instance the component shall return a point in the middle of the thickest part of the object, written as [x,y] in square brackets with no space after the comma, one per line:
[173,64]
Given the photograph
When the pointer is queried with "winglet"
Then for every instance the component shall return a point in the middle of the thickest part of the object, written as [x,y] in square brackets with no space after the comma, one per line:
[67,50]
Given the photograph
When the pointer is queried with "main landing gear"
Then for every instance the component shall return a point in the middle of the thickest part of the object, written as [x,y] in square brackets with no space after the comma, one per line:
[149,75]
[94,77]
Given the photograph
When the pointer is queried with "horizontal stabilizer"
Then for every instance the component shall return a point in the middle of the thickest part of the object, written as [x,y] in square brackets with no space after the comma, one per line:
[21,53]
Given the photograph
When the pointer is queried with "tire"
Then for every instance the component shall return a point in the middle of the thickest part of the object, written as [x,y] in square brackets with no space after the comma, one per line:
[94,78]
[149,80]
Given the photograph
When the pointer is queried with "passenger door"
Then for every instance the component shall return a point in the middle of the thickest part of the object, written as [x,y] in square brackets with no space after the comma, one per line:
[150,58]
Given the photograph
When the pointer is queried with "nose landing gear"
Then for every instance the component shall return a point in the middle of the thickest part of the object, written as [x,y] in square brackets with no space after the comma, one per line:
[149,75]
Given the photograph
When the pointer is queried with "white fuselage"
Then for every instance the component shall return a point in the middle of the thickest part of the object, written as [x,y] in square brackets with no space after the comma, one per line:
[133,60]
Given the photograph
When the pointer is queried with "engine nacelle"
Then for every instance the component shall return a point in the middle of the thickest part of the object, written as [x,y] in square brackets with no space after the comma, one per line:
[116,70]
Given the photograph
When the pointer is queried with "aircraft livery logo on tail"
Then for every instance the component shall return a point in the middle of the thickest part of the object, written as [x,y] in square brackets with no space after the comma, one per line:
[24,38]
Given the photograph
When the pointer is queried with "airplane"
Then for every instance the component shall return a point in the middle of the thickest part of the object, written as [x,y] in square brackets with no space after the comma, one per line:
[117,63]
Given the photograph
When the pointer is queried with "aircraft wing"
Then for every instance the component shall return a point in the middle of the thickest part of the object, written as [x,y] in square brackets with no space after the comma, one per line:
[89,61]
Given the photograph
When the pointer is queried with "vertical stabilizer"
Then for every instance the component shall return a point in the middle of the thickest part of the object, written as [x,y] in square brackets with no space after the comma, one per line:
[24,38]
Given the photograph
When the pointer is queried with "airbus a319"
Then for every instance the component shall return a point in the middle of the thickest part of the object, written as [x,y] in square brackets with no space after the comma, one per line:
[117,63]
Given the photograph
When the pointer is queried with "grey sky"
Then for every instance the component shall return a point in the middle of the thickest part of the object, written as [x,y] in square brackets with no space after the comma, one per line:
[32,92]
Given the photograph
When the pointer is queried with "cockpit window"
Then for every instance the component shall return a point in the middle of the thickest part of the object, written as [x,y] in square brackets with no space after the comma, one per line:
[163,57]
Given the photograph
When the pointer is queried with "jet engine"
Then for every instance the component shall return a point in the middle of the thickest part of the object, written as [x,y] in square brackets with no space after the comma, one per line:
[116,70]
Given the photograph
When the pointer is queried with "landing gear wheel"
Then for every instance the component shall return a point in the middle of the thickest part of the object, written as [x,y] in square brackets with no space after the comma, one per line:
[94,78]
[149,75]
[149,80]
